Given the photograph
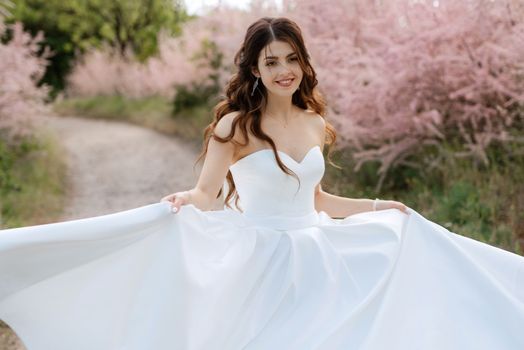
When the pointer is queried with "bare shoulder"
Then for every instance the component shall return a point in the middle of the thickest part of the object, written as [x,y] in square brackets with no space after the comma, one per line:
[224,125]
[317,122]
[316,118]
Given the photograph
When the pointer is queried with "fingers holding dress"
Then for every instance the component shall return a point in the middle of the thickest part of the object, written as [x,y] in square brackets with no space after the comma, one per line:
[177,199]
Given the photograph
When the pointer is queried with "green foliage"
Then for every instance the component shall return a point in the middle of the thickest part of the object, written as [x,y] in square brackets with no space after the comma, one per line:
[32,188]
[195,95]
[202,93]
[73,26]
[191,122]
[9,154]
[210,56]
[5,7]
[150,112]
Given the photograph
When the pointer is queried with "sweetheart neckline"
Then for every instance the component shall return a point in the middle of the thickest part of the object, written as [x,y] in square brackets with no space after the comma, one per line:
[280,152]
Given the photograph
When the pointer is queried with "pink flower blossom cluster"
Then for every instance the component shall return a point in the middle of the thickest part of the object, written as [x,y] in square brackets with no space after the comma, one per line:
[21,100]
[103,72]
[403,76]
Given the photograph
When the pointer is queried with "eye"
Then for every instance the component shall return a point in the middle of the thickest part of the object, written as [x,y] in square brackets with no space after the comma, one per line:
[270,63]
[293,59]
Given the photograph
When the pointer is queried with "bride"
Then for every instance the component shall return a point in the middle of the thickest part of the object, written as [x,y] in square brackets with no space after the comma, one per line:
[284,113]
[285,265]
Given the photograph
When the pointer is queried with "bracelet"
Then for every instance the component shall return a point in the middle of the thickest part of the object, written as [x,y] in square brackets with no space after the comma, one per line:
[375,204]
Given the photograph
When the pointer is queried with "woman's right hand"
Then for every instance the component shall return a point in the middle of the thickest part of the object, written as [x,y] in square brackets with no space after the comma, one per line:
[177,200]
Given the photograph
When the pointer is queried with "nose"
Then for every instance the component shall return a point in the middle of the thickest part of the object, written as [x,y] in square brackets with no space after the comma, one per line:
[285,69]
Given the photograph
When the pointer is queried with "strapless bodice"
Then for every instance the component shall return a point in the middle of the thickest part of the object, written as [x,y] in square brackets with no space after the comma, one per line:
[265,190]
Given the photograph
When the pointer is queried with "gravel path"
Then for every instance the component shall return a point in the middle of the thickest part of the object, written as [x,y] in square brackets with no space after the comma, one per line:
[116,166]
[113,167]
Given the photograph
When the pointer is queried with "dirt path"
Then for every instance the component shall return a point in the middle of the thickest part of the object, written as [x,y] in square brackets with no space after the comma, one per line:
[115,166]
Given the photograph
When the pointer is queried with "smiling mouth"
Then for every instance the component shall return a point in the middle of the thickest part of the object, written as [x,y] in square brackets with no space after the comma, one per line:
[285,82]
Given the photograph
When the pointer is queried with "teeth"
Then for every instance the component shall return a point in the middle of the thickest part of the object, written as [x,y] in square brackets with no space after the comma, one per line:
[285,82]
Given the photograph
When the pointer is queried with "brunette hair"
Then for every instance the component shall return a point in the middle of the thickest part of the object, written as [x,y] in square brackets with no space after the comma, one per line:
[238,91]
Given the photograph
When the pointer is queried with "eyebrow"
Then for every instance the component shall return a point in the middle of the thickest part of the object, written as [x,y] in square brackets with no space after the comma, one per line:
[271,57]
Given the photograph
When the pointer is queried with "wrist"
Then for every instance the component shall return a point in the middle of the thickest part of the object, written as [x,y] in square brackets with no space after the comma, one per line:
[189,197]
[374,205]
[199,199]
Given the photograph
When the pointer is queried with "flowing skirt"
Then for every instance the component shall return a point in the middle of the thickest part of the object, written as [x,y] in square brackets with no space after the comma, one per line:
[146,279]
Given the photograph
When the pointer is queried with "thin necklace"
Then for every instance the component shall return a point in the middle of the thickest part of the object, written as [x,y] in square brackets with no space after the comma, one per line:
[285,124]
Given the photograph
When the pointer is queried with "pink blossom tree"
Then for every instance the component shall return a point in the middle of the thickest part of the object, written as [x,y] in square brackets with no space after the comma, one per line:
[20,70]
[105,72]
[403,77]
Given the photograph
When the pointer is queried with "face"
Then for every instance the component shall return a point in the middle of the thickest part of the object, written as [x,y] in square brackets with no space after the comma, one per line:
[278,68]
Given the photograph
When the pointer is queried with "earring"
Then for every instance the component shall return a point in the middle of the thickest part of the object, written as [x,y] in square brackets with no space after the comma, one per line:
[254,87]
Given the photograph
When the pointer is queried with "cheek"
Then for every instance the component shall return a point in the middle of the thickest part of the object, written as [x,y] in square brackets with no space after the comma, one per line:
[296,69]
[266,74]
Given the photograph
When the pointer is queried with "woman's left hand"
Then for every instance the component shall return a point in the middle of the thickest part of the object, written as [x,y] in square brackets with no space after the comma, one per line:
[387,204]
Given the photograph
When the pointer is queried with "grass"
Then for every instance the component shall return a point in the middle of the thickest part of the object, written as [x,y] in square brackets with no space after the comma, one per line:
[154,113]
[37,186]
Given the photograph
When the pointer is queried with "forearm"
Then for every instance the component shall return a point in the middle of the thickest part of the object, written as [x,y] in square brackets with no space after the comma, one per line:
[340,207]
[200,199]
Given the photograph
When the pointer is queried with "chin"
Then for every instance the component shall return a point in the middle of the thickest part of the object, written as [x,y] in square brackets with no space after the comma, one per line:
[281,93]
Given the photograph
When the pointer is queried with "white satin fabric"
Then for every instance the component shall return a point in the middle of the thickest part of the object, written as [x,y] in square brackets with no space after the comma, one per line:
[280,275]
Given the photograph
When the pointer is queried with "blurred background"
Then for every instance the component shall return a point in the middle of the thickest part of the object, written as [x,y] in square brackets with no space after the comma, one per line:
[427,98]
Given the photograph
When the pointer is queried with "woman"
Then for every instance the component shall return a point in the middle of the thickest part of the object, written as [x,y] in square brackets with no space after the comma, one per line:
[275,269]
[273,94]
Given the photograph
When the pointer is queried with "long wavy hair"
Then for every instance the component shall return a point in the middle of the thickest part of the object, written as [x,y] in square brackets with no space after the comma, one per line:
[238,92]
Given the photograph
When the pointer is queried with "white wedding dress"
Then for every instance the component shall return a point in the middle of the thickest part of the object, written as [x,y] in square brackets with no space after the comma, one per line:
[280,275]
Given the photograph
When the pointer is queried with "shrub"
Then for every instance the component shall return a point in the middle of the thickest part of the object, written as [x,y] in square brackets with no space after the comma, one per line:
[21,100]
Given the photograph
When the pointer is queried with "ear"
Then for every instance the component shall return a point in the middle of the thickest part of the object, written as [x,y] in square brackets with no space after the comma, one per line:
[255,72]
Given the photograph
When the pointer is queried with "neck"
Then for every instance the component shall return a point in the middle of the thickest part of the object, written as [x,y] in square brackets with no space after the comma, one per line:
[279,107]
